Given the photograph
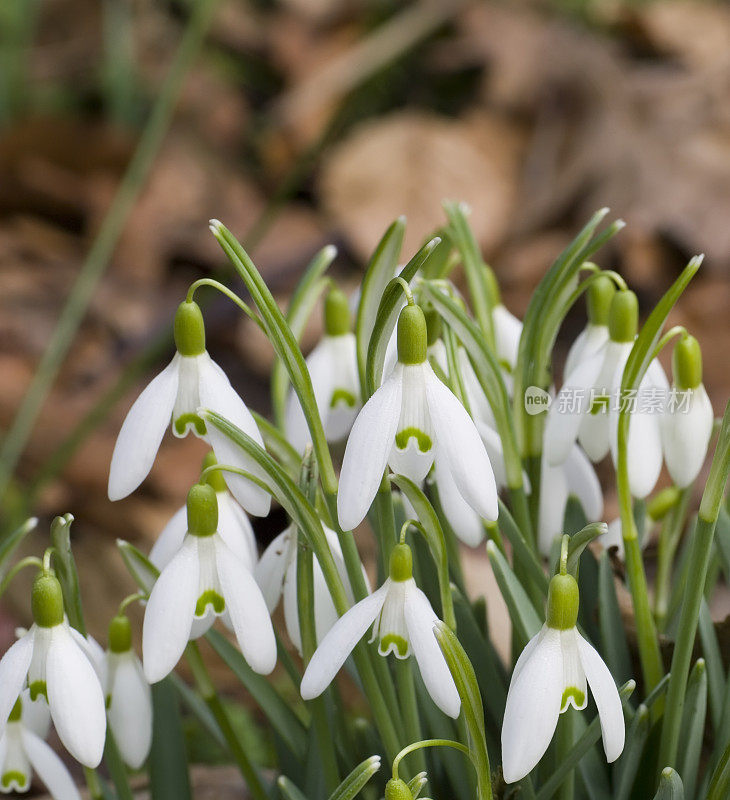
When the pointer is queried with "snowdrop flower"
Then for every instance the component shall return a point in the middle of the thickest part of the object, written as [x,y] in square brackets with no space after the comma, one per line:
[403,622]
[550,675]
[586,407]
[687,423]
[332,367]
[51,660]
[595,334]
[276,574]
[233,525]
[128,694]
[192,380]
[205,579]
[575,476]
[410,420]
[22,751]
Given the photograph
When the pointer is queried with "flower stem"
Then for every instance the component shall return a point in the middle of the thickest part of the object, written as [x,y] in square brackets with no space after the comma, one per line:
[563,746]
[699,560]
[231,295]
[213,701]
[409,706]
[668,542]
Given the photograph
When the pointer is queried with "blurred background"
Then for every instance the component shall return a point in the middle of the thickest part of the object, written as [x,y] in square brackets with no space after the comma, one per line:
[126,124]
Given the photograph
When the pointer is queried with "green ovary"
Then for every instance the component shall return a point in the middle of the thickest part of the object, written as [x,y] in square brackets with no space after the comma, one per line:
[400,644]
[579,698]
[20,780]
[423,440]
[344,397]
[184,420]
[209,598]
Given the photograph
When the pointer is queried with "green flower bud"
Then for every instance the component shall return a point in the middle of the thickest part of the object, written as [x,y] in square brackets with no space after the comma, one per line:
[397,789]
[214,478]
[600,294]
[434,325]
[401,563]
[412,335]
[120,634]
[562,604]
[202,510]
[687,363]
[337,320]
[623,316]
[189,329]
[46,600]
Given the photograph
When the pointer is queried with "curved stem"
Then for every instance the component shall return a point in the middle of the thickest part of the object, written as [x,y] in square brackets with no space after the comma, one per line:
[29,561]
[129,599]
[677,330]
[427,743]
[231,295]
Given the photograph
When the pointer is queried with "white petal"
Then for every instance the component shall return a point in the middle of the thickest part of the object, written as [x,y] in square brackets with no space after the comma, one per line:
[130,710]
[686,437]
[325,614]
[235,529]
[171,539]
[590,340]
[458,441]
[507,332]
[553,498]
[614,536]
[291,607]
[321,372]
[247,610]
[420,619]
[464,521]
[201,625]
[272,566]
[607,699]
[142,431]
[49,768]
[217,394]
[338,417]
[13,671]
[582,481]
[75,698]
[493,445]
[569,408]
[574,678]
[367,450]
[169,613]
[36,714]
[533,707]
[339,642]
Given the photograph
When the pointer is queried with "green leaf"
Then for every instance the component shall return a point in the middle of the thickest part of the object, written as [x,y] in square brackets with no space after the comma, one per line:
[615,648]
[142,570]
[670,786]
[11,542]
[301,305]
[169,779]
[198,708]
[116,767]
[715,669]
[631,757]
[65,566]
[579,541]
[378,275]
[350,787]
[523,553]
[521,611]
[693,727]
[277,444]
[387,317]
[276,709]
[720,783]
[288,790]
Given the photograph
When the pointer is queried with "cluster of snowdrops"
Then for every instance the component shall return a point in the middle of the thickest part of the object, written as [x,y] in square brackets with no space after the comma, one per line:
[431,391]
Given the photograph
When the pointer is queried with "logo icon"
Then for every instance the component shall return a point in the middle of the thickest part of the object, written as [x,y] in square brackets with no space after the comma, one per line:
[537,400]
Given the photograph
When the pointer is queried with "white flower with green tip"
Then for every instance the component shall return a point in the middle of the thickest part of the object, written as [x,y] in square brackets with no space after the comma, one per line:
[23,751]
[412,419]
[332,366]
[205,579]
[554,672]
[595,334]
[51,660]
[402,620]
[191,381]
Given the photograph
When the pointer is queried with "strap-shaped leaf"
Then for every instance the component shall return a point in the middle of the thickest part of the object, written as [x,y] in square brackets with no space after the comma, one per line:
[378,275]
[169,779]
[631,757]
[670,786]
[65,566]
[10,543]
[615,648]
[579,541]
[387,317]
[276,444]
[523,553]
[713,661]
[693,727]
[350,787]
[142,570]
[301,305]
[521,611]
[288,790]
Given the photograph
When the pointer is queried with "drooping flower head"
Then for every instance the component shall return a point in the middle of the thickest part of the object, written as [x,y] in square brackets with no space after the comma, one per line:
[191,381]
[553,673]
[595,334]
[402,620]
[332,366]
[51,660]
[205,579]
[412,419]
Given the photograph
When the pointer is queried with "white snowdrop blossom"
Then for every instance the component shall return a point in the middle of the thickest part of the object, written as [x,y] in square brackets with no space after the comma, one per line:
[191,381]
[412,419]
[576,477]
[553,672]
[51,660]
[507,333]
[332,366]
[403,621]
[234,526]
[276,574]
[595,334]
[205,579]
[688,419]
[23,751]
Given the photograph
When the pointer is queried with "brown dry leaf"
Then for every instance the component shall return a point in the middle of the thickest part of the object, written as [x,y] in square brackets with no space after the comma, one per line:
[408,163]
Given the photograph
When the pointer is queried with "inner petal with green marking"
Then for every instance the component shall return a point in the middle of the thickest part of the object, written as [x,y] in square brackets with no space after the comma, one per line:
[574,696]
[422,439]
[209,598]
[38,688]
[15,778]
[189,421]
[342,397]
[395,643]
